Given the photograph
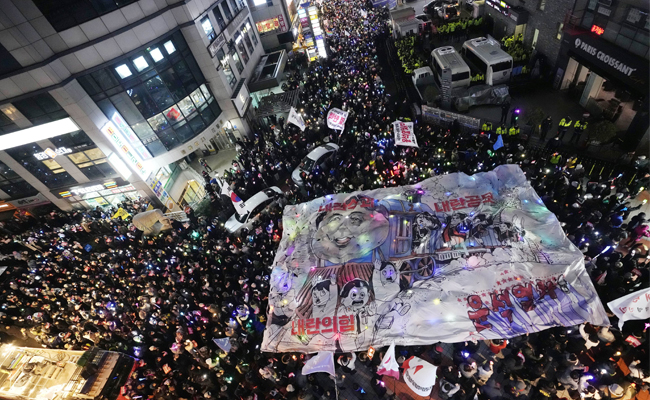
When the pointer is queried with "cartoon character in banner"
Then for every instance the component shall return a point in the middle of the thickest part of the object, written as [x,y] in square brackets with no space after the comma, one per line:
[323,296]
[424,225]
[389,296]
[572,303]
[351,232]
[456,229]
[282,305]
[479,230]
[356,301]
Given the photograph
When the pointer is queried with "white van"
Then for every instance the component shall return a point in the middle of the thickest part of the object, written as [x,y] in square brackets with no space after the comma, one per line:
[447,57]
[488,59]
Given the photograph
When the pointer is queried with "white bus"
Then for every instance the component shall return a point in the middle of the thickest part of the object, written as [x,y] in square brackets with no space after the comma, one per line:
[487,58]
[447,57]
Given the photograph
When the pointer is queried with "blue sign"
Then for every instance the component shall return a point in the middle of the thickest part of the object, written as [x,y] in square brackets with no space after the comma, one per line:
[88,248]
[380,3]
[392,4]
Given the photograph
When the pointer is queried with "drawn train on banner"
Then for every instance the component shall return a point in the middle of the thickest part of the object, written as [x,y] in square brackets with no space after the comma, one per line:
[453,258]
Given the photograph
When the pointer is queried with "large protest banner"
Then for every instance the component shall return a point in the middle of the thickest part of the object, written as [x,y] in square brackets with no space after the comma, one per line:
[450,259]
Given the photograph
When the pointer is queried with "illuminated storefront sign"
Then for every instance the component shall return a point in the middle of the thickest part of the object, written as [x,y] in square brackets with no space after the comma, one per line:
[49,153]
[124,149]
[110,185]
[597,30]
[272,24]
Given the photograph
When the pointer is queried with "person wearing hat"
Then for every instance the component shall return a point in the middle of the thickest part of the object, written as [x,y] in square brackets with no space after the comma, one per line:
[544,127]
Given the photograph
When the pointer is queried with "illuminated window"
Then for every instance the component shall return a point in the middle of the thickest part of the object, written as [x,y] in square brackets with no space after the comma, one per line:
[140,63]
[156,54]
[169,46]
[123,71]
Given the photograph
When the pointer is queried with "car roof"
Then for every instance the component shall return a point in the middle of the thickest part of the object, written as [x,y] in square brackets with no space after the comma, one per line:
[259,198]
[320,150]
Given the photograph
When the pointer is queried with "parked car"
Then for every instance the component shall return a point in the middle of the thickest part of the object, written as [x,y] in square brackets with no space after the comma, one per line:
[252,209]
[319,156]
[426,20]
[447,12]
[429,8]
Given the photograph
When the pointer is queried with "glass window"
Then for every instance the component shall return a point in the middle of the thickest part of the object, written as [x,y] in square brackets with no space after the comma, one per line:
[225,66]
[169,46]
[68,13]
[39,106]
[144,131]
[140,63]
[159,92]
[105,79]
[627,32]
[623,42]
[173,83]
[611,31]
[587,20]
[169,139]
[184,131]
[247,39]
[158,123]
[156,54]
[205,91]
[197,124]
[250,29]
[207,114]
[639,49]
[18,189]
[90,86]
[142,100]
[127,109]
[220,21]
[78,158]
[207,28]
[187,106]
[235,58]
[123,71]
[197,97]
[41,170]
[226,10]
[95,154]
[173,114]
[183,72]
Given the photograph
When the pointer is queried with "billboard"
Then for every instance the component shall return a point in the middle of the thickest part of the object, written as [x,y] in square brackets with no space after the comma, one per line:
[452,258]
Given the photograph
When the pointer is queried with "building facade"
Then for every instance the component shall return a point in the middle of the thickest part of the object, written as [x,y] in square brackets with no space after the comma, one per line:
[276,22]
[103,100]
[603,63]
[539,21]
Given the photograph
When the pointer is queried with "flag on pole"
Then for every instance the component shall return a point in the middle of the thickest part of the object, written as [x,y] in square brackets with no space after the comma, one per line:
[389,365]
[499,143]
[296,119]
[236,200]
[336,119]
[223,343]
[632,306]
[321,362]
[419,375]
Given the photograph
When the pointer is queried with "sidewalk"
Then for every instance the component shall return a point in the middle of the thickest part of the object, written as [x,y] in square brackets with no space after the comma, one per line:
[218,162]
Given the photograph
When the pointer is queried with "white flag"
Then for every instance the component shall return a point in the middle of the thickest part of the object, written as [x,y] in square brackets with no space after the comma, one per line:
[404,134]
[389,365]
[364,13]
[336,119]
[296,119]
[321,362]
[633,306]
[223,343]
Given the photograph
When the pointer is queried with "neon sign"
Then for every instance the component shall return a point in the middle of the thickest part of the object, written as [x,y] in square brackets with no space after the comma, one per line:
[597,30]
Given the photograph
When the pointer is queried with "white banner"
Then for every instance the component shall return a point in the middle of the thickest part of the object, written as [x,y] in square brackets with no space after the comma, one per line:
[336,119]
[321,362]
[633,306]
[296,119]
[452,258]
[404,134]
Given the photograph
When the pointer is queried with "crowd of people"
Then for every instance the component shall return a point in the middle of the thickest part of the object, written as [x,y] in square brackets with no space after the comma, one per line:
[81,279]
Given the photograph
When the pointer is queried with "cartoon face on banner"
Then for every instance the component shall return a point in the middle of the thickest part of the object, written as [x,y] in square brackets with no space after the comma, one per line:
[453,258]
[349,231]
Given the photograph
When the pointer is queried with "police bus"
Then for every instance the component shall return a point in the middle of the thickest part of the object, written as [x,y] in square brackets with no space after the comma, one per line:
[486,57]
[447,57]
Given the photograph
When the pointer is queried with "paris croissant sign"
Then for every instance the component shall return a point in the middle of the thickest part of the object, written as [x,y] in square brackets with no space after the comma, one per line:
[604,57]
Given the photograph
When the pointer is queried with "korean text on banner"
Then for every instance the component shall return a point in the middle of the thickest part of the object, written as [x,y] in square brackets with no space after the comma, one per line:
[404,134]
[336,119]
[633,306]
[452,258]
[296,119]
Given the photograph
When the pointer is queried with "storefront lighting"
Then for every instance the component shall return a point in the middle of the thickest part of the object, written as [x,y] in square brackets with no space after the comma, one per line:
[169,46]
[123,71]
[120,166]
[140,63]
[156,54]
[36,133]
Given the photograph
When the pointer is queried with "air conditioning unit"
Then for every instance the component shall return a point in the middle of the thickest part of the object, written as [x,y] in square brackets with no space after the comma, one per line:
[183,165]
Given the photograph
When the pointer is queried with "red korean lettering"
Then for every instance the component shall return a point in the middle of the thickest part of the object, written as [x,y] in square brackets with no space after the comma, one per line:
[473,201]
[488,198]
[338,207]
[546,288]
[480,313]
[327,207]
[351,203]
[502,300]
[330,323]
[313,326]
[299,328]
[367,202]
[525,295]
[443,207]
[346,323]
[457,204]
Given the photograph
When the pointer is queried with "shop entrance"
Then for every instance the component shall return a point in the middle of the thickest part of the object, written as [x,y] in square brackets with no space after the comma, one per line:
[601,97]
[193,193]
